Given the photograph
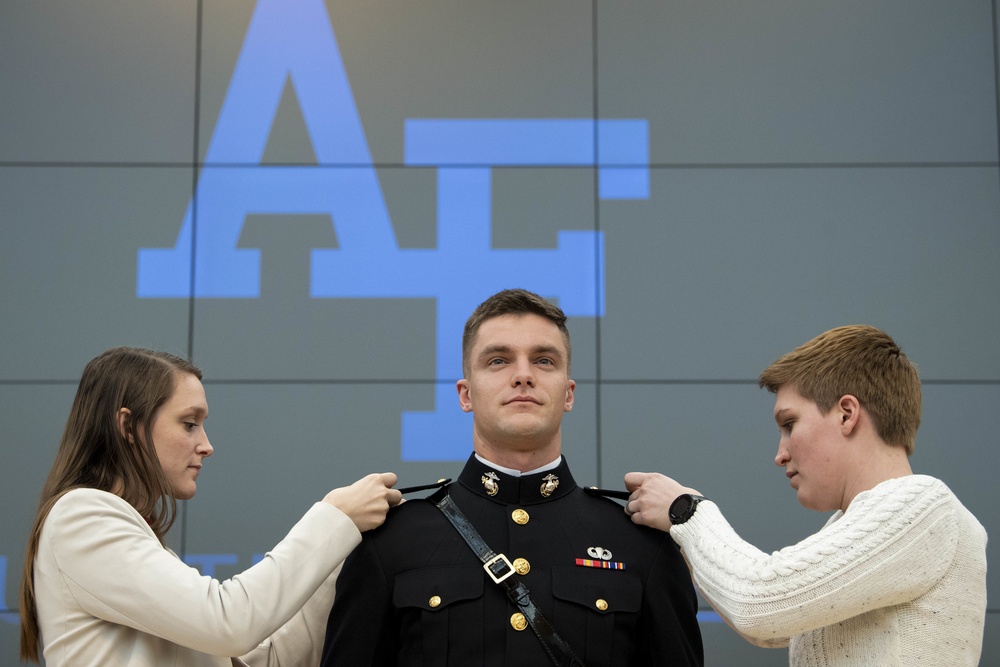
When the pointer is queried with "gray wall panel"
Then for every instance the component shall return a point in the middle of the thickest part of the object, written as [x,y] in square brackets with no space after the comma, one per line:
[68,256]
[991,640]
[723,270]
[783,81]
[98,81]
[435,59]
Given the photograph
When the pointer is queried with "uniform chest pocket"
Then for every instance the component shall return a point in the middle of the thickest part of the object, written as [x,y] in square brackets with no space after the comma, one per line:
[433,608]
[437,588]
[601,591]
[599,610]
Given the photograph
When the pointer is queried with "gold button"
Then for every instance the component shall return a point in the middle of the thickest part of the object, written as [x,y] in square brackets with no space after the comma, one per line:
[601,604]
[435,601]
[520,517]
[518,621]
[521,566]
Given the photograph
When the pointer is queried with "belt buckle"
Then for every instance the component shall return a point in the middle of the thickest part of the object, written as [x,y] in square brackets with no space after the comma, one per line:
[499,558]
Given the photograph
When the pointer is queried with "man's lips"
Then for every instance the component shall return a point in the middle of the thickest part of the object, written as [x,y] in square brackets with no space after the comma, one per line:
[524,399]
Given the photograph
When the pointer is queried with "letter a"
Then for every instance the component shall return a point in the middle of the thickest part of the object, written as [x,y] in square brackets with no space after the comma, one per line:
[286,39]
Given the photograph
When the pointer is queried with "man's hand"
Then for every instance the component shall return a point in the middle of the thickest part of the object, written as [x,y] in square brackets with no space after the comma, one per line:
[650,499]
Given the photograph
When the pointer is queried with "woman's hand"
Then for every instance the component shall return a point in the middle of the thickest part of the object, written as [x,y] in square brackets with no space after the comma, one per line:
[651,497]
[367,500]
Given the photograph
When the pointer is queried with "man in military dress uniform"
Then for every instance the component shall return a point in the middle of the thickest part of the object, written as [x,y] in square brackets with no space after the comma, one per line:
[613,594]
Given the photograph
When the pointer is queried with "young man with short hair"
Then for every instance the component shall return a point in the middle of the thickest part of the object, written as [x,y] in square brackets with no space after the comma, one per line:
[897,577]
[567,580]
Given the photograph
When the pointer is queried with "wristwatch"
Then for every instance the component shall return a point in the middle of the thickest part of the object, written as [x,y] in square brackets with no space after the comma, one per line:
[683,507]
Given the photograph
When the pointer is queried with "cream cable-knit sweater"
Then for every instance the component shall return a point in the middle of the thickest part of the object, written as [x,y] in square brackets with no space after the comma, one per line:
[898,579]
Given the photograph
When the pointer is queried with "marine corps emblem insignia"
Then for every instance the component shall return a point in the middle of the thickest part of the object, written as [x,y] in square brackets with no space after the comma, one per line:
[489,481]
[551,483]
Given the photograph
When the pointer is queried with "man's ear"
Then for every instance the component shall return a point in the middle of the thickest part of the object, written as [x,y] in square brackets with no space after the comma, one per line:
[125,424]
[464,395]
[849,410]
[570,396]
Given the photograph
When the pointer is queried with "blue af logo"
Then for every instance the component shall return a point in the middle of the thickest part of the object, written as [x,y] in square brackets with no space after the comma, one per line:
[293,39]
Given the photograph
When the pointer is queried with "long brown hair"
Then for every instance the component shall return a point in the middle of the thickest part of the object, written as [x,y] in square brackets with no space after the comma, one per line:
[100,450]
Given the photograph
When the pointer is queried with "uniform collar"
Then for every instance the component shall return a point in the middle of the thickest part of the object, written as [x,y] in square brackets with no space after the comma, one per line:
[480,478]
[517,473]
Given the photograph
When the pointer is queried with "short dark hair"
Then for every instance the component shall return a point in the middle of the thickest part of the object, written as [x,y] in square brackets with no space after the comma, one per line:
[512,302]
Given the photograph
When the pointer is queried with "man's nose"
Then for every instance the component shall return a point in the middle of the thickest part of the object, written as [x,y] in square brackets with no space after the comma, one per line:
[781,458]
[523,373]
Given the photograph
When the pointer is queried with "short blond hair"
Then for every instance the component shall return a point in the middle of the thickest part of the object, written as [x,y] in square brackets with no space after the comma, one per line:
[862,361]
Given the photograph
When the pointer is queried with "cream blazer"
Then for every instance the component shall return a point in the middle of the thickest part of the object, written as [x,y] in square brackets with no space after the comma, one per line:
[110,595]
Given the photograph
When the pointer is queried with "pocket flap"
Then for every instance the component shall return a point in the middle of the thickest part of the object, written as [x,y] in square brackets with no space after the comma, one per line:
[435,588]
[603,591]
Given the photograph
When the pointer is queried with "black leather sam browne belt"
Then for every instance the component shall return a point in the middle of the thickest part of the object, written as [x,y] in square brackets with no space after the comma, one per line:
[498,567]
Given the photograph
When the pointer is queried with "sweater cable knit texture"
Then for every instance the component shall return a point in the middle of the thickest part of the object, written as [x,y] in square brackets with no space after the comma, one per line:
[898,579]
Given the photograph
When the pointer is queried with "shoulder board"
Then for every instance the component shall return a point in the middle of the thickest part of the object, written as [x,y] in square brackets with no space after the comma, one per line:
[606,493]
[425,487]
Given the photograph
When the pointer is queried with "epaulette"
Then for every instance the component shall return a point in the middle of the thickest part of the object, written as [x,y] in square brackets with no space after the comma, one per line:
[425,487]
[606,493]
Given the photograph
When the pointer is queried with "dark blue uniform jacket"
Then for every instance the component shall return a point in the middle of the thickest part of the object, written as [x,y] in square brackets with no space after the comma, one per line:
[413,593]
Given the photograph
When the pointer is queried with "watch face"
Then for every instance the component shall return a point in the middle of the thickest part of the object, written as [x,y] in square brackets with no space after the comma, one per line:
[683,507]
[680,508]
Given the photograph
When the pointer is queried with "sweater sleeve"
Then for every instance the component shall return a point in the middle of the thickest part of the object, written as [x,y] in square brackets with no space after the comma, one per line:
[891,546]
[116,570]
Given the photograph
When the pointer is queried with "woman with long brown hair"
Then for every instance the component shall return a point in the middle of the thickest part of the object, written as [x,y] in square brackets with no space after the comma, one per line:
[100,587]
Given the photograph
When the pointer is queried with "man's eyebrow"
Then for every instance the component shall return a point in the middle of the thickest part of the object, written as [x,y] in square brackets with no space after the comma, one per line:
[493,349]
[779,414]
[501,348]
